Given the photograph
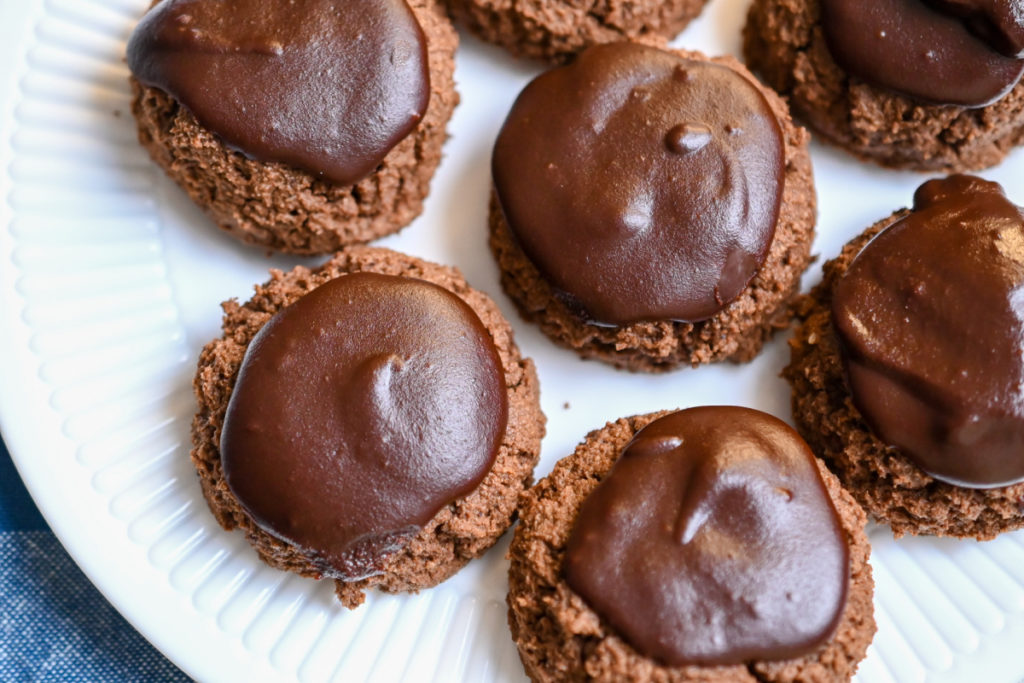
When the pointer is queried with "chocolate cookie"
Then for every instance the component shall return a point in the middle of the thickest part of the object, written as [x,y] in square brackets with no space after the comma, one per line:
[906,369]
[554,30]
[907,84]
[370,420]
[661,215]
[304,130]
[634,559]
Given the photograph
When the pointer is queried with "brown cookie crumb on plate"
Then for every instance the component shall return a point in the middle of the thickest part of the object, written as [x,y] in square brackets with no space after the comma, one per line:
[462,529]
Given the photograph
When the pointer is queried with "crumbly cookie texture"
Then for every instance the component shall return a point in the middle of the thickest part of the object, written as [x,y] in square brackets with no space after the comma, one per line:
[555,30]
[461,531]
[783,41]
[736,333]
[283,208]
[560,638]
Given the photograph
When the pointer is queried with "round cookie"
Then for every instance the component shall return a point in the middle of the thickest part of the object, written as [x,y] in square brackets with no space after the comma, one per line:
[785,42]
[758,305]
[554,30]
[561,637]
[891,484]
[464,528]
[284,206]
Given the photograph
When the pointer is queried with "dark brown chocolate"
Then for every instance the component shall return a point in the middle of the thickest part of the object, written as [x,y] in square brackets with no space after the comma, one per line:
[930,317]
[925,51]
[1000,23]
[359,412]
[642,185]
[327,87]
[713,541]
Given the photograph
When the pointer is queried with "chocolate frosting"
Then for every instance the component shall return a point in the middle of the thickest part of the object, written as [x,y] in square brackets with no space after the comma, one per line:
[325,86]
[1000,23]
[943,52]
[712,541]
[930,316]
[359,412]
[643,186]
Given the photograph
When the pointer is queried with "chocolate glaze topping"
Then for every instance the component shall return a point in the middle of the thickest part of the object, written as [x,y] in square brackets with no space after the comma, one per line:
[1000,23]
[360,411]
[642,186]
[930,316]
[956,52]
[324,85]
[713,541]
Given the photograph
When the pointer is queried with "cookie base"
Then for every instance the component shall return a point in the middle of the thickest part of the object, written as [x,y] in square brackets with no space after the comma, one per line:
[555,30]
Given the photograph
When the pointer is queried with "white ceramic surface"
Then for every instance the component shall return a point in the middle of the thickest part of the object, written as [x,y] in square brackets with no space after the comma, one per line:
[109,285]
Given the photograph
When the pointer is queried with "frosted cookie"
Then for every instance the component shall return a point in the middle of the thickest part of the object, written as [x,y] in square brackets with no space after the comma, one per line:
[297,127]
[370,421]
[907,370]
[652,208]
[701,545]
[916,84]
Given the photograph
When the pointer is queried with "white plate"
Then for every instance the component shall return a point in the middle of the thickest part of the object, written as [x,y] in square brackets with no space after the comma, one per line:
[109,285]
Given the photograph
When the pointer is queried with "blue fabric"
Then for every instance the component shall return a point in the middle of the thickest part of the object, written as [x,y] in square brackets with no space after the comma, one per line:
[54,624]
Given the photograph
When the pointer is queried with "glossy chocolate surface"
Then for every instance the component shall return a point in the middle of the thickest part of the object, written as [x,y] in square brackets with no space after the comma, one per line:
[929,51]
[930,316]
[1000,23]
[326,86]
[359,412]
[642,186]
[713,541]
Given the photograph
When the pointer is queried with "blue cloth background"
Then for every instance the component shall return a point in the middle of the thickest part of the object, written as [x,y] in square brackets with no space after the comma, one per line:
[54,624]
